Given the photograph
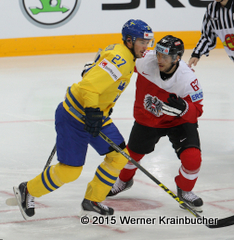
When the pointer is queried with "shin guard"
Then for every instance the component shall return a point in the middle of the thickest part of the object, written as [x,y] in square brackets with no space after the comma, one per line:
[129,170]
[105,176]
[190,167]
[52,178]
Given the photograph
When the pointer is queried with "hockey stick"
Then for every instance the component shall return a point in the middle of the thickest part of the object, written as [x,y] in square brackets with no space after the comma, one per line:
[50,158]
[13,201]
[220,222]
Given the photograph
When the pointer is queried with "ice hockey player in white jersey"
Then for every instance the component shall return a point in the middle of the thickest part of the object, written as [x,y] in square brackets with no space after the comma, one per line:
[168,102]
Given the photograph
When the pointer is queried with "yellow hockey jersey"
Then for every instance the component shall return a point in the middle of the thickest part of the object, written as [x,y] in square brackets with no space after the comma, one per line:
[103,82]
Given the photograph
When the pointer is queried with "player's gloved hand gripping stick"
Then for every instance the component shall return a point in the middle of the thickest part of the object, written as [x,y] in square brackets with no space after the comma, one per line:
[93,121]
[176,106]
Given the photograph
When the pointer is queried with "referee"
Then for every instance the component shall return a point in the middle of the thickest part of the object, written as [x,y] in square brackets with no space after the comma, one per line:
[218,21]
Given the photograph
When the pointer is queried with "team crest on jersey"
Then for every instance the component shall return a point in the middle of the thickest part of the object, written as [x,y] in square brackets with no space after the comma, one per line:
[122,85]
[110,69]
[153,105]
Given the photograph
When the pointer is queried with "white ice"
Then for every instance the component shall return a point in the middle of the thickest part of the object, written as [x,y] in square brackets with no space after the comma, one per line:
[30,90]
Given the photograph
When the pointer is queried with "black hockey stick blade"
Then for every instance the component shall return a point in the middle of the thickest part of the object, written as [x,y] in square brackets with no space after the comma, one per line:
[220,223]
[224,222]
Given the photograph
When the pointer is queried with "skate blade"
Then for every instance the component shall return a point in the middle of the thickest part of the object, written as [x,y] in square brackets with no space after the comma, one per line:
[18,200]
[91,214]
[196,209]
[11,202]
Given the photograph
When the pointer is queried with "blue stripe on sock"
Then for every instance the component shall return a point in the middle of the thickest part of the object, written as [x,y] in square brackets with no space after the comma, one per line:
[44,183]
[103,180]
[49,178]
[106,173]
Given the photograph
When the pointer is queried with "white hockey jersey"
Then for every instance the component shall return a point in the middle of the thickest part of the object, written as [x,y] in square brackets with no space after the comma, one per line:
[151,91]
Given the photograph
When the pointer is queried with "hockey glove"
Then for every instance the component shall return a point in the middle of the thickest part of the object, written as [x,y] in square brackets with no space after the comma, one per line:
[93,121]
[176,106]
[86,67]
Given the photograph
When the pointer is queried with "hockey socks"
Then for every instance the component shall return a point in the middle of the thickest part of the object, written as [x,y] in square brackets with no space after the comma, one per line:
[129,170]
[101,184]
[105,176]
[53,178]
[190,167]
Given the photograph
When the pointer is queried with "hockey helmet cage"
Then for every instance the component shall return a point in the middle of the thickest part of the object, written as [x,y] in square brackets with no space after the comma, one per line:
[170,45]
[136,29]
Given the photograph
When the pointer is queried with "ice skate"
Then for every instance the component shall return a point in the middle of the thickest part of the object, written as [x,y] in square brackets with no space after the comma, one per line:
[120,186]
[90,207]
[191,199]
[25,200]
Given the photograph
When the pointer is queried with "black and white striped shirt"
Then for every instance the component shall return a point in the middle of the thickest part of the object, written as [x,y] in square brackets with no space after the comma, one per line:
[218,21]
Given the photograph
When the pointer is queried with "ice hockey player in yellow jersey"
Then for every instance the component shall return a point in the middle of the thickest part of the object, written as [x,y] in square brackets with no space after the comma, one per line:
[94,97]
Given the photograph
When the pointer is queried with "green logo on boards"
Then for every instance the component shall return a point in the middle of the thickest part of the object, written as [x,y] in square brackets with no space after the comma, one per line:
[49,13]
[49,6]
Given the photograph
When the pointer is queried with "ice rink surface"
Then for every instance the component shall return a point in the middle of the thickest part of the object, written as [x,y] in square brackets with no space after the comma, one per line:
[32,87]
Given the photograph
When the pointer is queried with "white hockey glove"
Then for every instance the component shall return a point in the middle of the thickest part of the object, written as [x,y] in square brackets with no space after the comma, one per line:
[176,106]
